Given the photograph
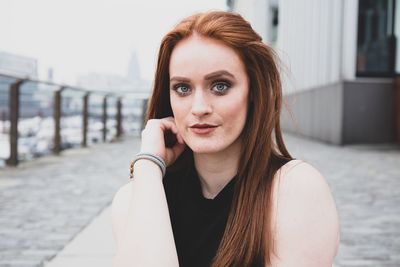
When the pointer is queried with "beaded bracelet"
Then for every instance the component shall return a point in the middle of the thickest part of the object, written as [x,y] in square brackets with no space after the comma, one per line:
[154,158]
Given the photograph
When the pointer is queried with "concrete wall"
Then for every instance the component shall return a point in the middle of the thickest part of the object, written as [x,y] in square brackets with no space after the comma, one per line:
[359,111]
[317,43]
[256,12]
[309,41]
[316,113]
[316,38]
[369,111]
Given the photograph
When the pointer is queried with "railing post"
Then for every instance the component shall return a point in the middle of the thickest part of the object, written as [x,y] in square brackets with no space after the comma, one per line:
[14,116]
[3,119]
[144,110]
[85,114]
[104,118]
[119,117]
[57,119]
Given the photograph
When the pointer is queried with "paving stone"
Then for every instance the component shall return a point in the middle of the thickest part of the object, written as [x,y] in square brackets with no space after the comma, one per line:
[45,203]
[365,182]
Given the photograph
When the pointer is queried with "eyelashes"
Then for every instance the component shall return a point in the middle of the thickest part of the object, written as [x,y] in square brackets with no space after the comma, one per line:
[219,87]
[181,88]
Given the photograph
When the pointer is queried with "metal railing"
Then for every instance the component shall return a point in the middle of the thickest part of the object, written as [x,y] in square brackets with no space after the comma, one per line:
[14,107]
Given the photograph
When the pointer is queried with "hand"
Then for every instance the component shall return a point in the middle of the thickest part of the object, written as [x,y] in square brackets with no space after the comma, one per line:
[153,139]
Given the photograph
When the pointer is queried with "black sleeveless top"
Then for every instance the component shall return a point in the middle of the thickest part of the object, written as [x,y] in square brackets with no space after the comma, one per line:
[198,223]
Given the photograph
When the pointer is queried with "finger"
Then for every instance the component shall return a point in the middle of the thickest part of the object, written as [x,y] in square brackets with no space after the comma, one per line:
[180,138]
[170,118]
[174,129]
[177,150]
[163,124]
[169,125]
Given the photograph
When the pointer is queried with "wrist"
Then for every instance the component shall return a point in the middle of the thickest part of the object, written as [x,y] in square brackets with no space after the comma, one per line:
[149,157]
[146,167]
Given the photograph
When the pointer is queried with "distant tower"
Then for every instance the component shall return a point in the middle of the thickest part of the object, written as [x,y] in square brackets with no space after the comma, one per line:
[134,68]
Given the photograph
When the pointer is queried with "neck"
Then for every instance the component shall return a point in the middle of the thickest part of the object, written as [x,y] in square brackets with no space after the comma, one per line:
[215,170]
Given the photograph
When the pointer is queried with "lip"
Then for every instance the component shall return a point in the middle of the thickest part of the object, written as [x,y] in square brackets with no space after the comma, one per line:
[202,129]
[202,125]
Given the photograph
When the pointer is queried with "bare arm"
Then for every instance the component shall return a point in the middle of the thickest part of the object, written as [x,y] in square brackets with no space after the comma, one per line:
[140,217]
[305,218]
[144,237]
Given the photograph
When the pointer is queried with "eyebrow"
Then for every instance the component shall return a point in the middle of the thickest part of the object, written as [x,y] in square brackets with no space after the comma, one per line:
[218,73]
[209,76]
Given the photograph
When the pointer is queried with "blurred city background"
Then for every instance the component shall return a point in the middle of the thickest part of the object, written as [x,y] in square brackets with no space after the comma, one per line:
[75,77]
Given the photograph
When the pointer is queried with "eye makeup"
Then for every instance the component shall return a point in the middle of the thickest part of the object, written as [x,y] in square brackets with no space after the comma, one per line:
[221,86]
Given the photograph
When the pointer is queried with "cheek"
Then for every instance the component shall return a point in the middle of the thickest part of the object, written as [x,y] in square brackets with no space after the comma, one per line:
[237,119]
[236,109]
[175,106]
[179,111]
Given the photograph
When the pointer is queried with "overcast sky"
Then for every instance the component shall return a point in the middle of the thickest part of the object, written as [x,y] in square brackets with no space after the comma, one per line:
[81,36]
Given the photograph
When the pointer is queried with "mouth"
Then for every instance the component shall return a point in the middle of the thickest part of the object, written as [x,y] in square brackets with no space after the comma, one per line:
[203,125]
[203,129]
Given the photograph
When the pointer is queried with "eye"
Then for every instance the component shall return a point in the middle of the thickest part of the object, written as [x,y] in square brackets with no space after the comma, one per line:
[181,89]
[221,87]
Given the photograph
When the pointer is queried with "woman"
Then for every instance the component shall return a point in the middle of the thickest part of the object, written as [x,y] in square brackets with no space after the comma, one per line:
[232,195]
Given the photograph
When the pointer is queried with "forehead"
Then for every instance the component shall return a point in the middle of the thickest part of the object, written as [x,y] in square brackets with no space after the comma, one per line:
[197,55]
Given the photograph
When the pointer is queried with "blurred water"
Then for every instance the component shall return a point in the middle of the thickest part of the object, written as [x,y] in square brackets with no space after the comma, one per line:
[36,135]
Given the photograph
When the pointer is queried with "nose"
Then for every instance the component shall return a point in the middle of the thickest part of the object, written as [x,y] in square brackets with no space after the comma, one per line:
[200,105]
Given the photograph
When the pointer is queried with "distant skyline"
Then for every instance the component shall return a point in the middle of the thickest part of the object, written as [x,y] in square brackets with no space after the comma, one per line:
[76,37]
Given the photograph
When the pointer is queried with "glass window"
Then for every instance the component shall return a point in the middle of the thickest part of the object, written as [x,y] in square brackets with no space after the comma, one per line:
[397,34]
[376,41]
[272,22]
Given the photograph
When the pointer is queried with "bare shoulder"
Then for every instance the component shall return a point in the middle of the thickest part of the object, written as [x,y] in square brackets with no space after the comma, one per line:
[301,177]
[304,216]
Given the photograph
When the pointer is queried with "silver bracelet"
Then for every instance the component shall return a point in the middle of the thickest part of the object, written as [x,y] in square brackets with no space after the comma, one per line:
[154,158]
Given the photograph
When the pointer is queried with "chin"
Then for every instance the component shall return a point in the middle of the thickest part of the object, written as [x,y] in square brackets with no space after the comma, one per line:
[206,147]
[205,150]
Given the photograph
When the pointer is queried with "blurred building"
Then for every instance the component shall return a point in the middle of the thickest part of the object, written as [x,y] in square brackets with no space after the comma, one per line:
[119,84]
[131,82]
[340,58]
[20,67]
[104,82]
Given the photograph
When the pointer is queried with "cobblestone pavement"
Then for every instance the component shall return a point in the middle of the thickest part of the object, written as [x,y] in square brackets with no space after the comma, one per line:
[45,203]
[365,182]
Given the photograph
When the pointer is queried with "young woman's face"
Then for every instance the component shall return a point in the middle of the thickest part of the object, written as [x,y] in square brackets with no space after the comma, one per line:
[209,91]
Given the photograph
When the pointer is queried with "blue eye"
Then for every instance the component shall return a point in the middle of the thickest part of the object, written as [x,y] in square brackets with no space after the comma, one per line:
[221,87]
[182,89]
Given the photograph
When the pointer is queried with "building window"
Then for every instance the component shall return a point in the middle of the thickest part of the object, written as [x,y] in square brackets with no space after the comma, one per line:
[376,40]
[274,24]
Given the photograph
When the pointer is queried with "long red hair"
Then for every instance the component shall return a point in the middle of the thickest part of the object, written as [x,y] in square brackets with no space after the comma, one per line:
[248,234]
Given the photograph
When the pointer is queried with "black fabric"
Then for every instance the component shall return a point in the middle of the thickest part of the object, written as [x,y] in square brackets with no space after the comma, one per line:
[198,223]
